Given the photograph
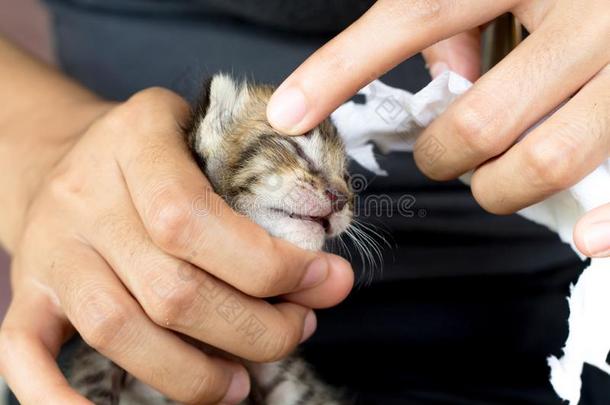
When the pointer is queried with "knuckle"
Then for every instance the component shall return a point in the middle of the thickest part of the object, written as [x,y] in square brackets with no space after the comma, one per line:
[102,334]
[68,184]
[102,321]
[168,218]
[151,94]
[171,308]
[154,97]
[550,162]
[147,111]
[65,186]
[472,126]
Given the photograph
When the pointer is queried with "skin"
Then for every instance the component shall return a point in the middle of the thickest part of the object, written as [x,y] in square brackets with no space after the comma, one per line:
[566,54]
[115,233]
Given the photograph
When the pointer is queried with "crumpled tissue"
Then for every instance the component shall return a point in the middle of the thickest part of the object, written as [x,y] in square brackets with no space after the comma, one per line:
[392,119]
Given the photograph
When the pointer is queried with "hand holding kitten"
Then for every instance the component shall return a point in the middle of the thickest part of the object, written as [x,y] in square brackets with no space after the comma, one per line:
[125,242]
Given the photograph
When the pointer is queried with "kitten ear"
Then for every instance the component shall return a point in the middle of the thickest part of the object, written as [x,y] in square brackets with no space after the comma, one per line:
[222,99]
[225,99]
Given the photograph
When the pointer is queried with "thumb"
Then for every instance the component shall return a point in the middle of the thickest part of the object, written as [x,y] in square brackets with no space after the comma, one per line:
[30,338]
[460,53]
[592,232]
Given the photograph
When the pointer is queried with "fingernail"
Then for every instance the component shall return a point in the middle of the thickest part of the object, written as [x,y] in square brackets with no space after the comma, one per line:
[438,68]
[316,273]
[287,109]
[239,388]
[597,238]
[309,328]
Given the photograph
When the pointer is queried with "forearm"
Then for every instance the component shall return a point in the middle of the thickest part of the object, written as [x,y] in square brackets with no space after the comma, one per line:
[41,113]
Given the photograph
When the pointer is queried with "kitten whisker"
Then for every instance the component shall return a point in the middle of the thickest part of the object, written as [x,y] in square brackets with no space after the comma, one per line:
[360,249]
[376,247]
[369,250]
[374,230]
[344,247]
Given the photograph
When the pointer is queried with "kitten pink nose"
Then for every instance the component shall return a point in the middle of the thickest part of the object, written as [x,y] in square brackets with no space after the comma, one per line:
[337,199]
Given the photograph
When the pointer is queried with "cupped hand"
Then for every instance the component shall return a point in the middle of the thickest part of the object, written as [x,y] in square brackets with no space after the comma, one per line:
[566,55]
[126,243]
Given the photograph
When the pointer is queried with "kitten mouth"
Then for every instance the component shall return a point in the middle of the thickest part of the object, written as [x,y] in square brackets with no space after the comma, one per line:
[323,221]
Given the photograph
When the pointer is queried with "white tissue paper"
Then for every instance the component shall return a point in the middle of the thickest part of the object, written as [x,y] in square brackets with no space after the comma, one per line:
[393,118]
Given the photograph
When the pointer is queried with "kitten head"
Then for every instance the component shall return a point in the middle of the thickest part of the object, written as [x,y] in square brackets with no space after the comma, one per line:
[294,187]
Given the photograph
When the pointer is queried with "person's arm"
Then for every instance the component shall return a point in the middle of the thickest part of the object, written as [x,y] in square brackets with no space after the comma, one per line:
[97,212]
[566,54]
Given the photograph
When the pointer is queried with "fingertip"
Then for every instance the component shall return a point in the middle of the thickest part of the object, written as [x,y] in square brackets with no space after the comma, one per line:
[342,276]
[593,239]
[577,236]
[334,289]
[309,326]
[338,263]
[286,109]
[239,388]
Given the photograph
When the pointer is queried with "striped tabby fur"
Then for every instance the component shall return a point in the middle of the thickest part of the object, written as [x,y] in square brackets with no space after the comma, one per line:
[293,187]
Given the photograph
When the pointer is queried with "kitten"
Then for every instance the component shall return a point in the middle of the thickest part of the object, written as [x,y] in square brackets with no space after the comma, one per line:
[294,187]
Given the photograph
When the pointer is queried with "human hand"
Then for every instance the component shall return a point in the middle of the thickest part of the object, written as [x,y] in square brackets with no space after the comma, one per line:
[592,233]
[566,54]
[125,242]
